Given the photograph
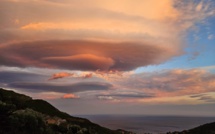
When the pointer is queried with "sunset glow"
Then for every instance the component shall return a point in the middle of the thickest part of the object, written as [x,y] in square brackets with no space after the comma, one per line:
[112,55]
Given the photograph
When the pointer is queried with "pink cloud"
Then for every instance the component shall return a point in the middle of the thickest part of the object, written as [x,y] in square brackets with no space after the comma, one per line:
[60,75]
[70,96]
[81,60]
[170,83]
[85,55]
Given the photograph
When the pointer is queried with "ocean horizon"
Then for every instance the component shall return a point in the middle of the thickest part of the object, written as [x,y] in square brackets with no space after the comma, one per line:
[153,124]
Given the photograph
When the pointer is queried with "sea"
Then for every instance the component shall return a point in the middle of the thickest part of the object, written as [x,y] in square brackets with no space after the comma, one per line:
[148,124]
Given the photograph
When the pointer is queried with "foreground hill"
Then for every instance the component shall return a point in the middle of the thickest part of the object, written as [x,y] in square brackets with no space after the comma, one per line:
[20,114]
[203,129]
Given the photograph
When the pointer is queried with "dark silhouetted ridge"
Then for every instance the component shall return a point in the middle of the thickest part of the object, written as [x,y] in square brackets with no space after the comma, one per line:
[208,128]
[20,114]
[46,108]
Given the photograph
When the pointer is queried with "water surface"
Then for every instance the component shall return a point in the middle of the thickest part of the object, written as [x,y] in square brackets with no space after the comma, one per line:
[148,124]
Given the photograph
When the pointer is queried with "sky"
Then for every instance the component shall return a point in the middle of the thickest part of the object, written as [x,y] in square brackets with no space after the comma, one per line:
[137,57]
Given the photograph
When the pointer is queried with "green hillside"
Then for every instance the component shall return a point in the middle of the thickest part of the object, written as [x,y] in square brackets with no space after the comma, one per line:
[20,114]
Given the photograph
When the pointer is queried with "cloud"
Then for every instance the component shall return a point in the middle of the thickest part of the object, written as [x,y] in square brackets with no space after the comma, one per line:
[169,83]
[207,99]
[61,88]
[192,12]
[124,96]
[110,38]
[165,22]
[102,97]
[97,35]
[83,60]
[204,97]
[211,36]
[17,76]
[84,55]
[103,16]
[106,75]
[70,96]
[86,76]
[60,75]
[208,68]
[197,95]
[194,55]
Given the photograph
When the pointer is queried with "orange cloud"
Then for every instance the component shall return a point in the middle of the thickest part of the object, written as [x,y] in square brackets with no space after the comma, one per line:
[94,19]
[60,75]
[105,16]
[166,20]
[70,96]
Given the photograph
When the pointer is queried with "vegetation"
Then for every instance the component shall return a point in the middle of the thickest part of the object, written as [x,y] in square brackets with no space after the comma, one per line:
[203,129]
[20,114]
[46,108]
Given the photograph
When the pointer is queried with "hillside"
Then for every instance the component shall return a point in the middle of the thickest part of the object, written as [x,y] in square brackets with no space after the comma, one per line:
[203,129]
[21,114]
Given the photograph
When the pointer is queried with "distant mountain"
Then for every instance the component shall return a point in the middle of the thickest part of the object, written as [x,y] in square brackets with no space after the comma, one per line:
[203,129]
[20,114]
